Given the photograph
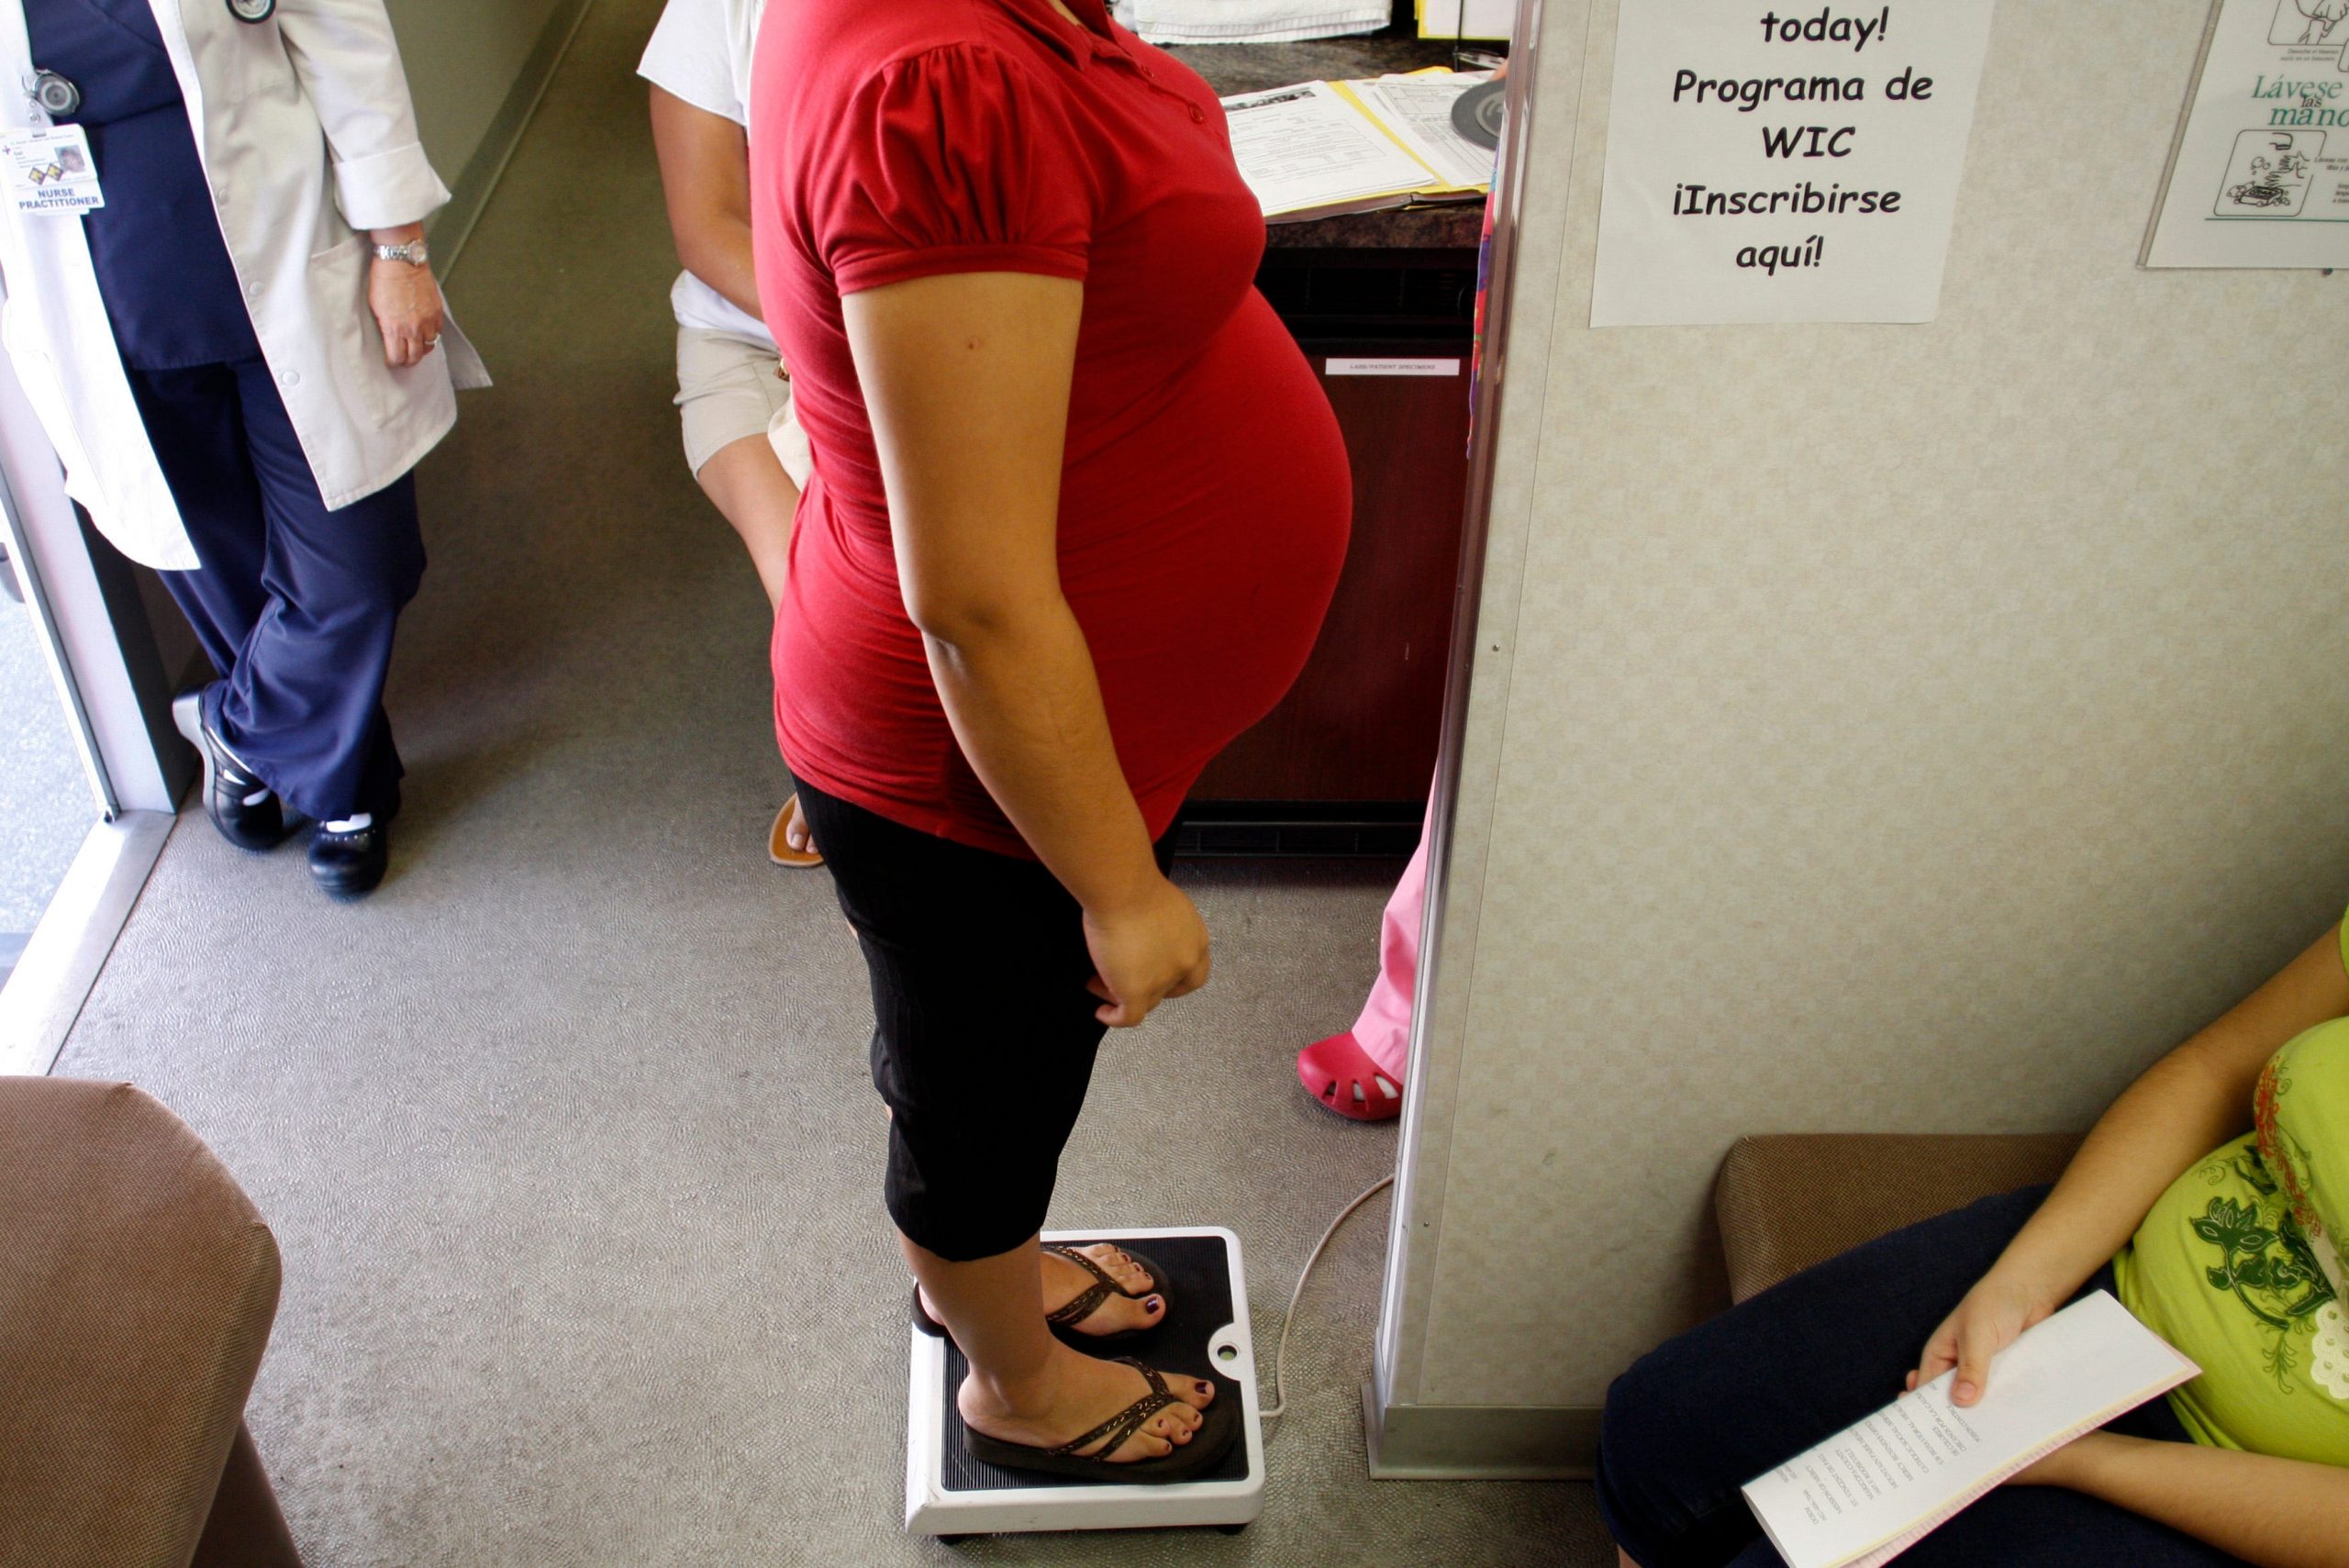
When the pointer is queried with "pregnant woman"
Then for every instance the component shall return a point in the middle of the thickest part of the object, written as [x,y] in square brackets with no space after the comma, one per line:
[1078,508]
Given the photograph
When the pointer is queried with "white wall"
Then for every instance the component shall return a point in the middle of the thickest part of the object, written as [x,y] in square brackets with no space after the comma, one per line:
[464,57]
[1872,727]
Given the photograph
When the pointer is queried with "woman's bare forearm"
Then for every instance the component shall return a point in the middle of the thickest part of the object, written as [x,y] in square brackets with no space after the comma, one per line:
[2188,1103]
[2174,1115]
[1025,702]
[705,182]
[2272,1513]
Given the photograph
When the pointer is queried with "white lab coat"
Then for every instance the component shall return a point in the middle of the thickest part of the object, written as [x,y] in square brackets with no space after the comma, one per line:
[277,106]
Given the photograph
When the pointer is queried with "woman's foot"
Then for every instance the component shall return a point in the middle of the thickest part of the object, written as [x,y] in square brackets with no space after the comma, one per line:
[790,842]
[1341,1074]
[1064,1282]
[1076,1394]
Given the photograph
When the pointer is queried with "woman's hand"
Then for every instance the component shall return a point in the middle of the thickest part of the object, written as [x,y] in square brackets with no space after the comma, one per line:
[1145,951]
[406,300]
[1993,1315]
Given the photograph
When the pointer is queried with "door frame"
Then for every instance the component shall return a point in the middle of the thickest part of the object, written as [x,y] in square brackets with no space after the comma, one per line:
[108,668]
[1406,1438]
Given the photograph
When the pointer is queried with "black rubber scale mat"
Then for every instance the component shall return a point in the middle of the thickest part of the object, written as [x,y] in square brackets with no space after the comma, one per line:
[1198,1290]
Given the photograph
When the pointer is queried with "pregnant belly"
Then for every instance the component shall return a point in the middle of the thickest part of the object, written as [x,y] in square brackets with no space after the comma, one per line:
[1199,553]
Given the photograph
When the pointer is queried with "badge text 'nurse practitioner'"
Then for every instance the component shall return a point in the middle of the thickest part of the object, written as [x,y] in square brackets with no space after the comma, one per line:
[51,171]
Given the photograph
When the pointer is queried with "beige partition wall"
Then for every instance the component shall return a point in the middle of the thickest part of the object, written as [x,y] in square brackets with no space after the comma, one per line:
[1871,727]
[476,68]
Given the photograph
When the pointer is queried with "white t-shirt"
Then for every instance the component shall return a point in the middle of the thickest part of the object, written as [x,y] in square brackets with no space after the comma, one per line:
[700,51]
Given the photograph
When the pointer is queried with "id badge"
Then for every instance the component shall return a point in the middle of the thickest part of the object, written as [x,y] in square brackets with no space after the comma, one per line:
[51,171]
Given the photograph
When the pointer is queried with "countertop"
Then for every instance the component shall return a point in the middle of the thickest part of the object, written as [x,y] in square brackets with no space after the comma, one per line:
[1233,68]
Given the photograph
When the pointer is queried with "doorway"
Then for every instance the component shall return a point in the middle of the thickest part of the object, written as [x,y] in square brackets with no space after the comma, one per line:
[48,802]
[87,779]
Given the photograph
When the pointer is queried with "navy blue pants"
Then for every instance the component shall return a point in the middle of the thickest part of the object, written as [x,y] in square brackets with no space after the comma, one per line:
[1701,1415]
[294,604]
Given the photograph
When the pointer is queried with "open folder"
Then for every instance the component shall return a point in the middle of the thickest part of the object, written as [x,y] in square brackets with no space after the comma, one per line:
[1319,149]
[1879,1486]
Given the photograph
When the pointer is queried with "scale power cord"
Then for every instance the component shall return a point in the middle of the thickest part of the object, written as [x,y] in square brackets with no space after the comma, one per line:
[1273,1411]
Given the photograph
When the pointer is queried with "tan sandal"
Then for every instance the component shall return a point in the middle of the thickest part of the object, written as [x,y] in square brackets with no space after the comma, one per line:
[779,849]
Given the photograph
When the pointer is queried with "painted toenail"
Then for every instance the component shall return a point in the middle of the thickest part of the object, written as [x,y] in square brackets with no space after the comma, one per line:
[1154,1304]
[1202,1387]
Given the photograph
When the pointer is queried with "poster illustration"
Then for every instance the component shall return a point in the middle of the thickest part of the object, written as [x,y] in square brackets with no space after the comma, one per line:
[2261,174]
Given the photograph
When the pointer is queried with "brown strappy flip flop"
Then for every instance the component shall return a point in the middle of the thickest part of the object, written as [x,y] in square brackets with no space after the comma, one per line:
[1063,1320]
[1086,1302]
[1218,1430]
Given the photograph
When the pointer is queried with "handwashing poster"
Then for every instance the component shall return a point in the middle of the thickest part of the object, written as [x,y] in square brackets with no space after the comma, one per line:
[2261,174]
[1779,161]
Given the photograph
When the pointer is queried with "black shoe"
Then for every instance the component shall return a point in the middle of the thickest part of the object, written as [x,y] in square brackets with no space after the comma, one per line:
[349,863]
[245,809]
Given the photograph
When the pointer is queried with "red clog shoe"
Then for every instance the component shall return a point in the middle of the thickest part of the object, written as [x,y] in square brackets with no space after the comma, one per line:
[1341,1074]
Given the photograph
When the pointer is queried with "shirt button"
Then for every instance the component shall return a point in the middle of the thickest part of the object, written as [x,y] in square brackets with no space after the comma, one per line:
[289,378]
[1198,114]
[252,289]
[220,192]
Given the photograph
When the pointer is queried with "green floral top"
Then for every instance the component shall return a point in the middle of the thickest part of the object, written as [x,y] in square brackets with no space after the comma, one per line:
[2239,1265]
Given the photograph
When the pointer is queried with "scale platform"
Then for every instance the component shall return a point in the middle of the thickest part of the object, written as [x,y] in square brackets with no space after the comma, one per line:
[949,1495]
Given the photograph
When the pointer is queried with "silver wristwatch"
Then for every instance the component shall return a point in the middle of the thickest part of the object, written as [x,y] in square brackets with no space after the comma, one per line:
[413,253]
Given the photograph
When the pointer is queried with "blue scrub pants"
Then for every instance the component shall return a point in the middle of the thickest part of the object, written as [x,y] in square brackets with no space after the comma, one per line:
[1699,1415]
[294,604]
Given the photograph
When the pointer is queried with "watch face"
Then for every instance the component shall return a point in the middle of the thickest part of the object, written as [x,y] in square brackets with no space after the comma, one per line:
[251,10]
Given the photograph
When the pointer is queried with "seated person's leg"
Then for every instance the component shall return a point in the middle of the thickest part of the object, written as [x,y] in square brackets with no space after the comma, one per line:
[1701,1415]
[746,483]
[730,392]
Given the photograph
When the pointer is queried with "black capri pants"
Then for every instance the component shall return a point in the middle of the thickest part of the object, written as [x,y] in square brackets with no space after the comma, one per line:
[983,1033]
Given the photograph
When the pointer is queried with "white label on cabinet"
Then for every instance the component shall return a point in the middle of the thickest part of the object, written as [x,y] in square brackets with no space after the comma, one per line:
[1394,367]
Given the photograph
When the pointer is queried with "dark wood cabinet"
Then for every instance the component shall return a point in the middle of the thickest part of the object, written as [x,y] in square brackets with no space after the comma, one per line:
[1343,765]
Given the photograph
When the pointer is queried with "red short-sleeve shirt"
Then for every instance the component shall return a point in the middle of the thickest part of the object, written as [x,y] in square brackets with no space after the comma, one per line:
[1205,494]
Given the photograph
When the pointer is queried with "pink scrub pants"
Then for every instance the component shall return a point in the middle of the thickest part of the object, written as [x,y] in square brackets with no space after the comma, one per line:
[1383,1030]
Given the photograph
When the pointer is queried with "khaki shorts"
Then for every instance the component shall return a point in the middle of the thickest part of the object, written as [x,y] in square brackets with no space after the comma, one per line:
[727,390]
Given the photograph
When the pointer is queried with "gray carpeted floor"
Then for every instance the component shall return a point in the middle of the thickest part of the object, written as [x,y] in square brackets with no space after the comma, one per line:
[565,1134]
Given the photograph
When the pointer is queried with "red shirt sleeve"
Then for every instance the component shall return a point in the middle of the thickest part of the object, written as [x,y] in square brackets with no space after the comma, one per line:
[956,160]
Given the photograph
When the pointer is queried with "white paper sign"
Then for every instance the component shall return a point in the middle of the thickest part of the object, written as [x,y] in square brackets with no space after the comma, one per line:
[1773,160]
[2261,178]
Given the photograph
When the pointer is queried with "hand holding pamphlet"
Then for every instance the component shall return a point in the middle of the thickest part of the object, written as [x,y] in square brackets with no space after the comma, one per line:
[1877,1487]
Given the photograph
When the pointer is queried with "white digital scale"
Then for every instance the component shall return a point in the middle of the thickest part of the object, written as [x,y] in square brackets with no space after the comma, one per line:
[949,1495]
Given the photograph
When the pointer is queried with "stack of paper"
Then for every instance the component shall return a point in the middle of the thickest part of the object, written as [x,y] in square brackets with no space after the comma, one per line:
[1323,148]
[1876,1488]
[1465,19]
[1250,21]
